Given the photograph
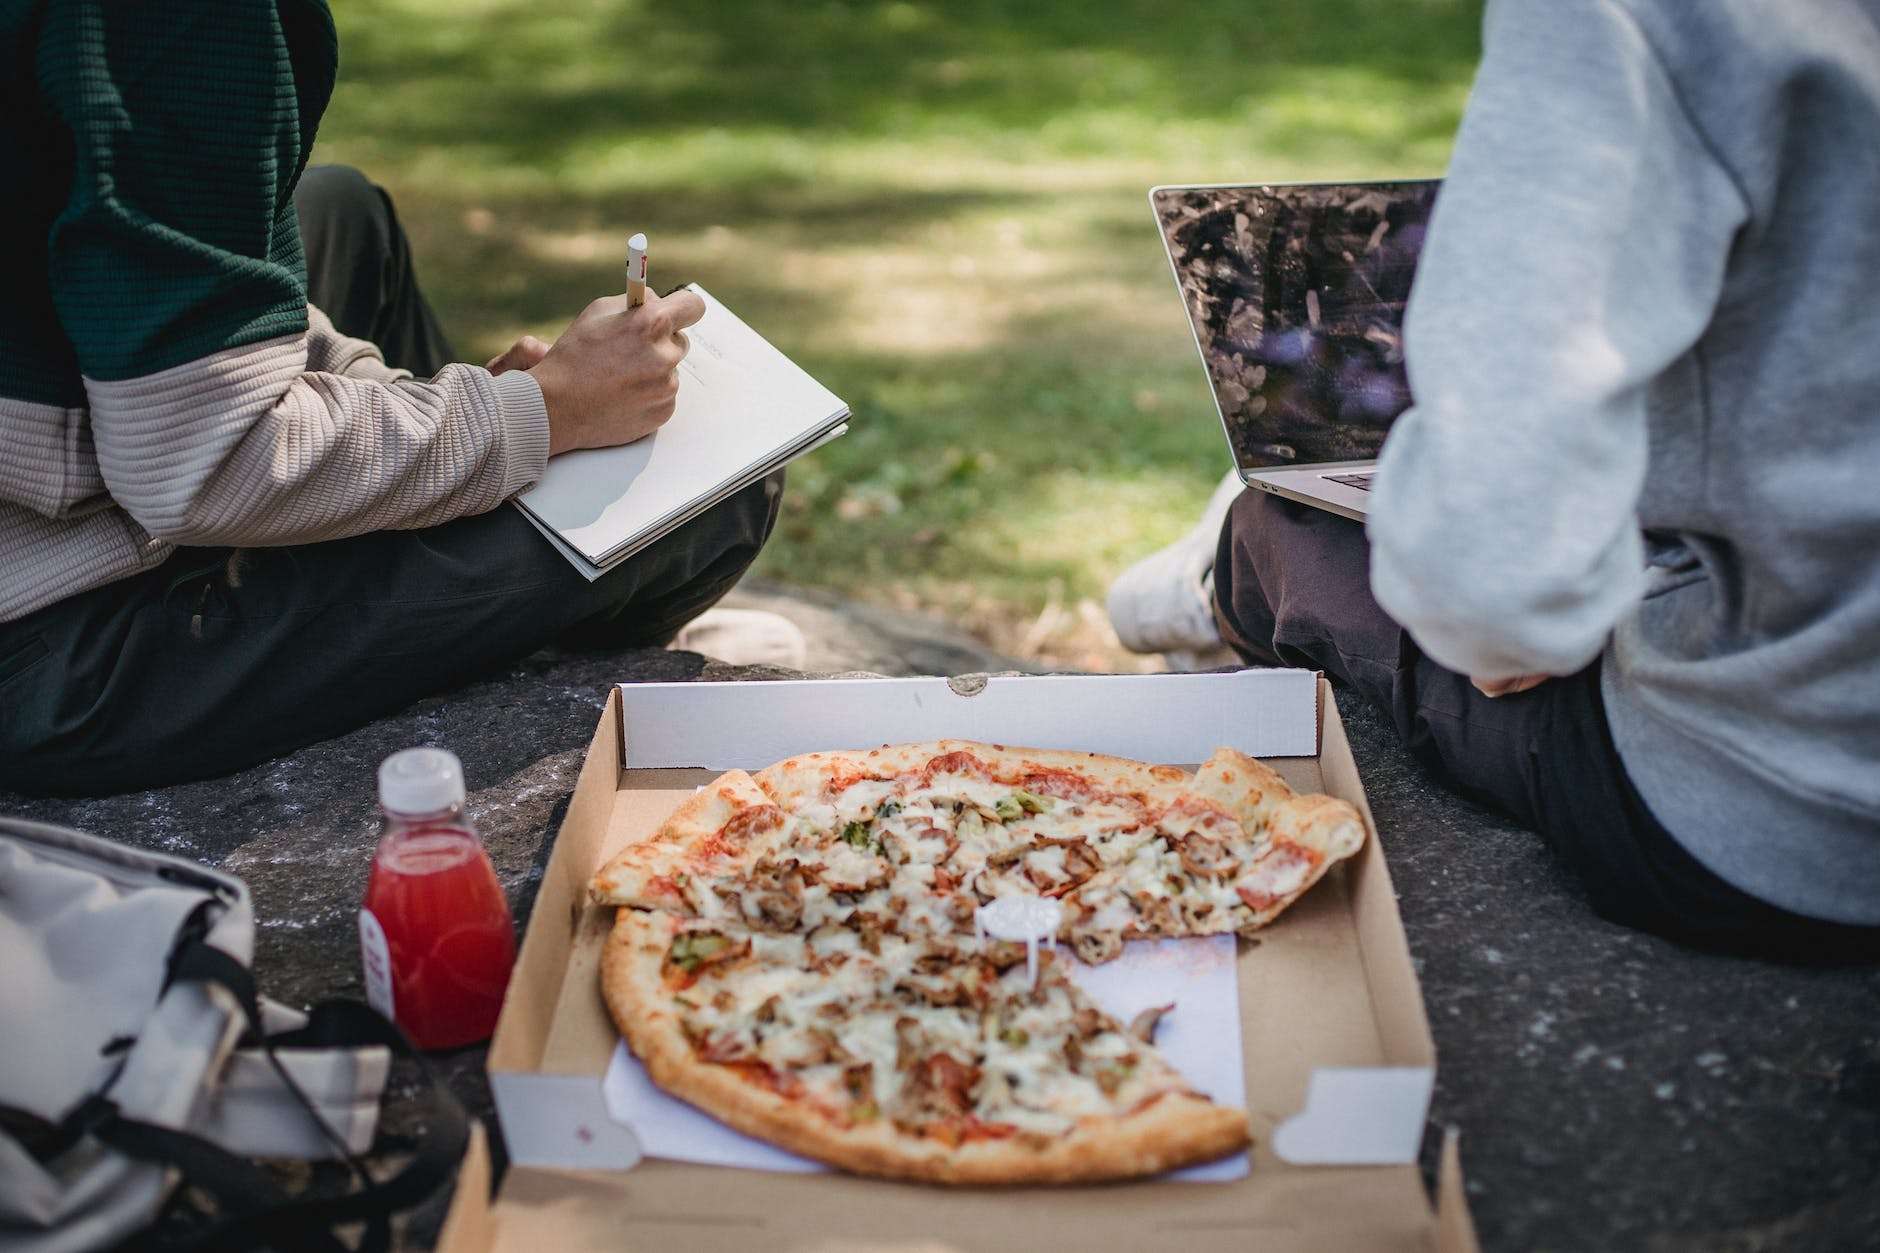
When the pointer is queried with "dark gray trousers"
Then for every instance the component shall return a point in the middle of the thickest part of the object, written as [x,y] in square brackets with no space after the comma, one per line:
[1292,587]
[183,672]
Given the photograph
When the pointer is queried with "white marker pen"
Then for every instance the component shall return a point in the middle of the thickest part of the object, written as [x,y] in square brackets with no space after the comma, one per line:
[636,270]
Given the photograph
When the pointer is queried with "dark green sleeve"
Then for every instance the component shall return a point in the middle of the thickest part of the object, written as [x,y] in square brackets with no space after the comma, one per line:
[190,123]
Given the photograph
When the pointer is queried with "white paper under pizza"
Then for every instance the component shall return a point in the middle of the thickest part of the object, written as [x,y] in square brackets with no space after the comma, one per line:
[1201,1039]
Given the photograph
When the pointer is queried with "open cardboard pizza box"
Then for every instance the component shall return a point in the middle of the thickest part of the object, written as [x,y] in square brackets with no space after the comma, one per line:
[1336,1048]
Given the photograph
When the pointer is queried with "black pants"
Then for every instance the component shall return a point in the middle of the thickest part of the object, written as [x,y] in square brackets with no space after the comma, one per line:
[1292,587]
[183,672]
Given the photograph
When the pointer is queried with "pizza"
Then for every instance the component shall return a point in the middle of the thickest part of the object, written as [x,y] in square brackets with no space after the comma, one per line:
[795,952]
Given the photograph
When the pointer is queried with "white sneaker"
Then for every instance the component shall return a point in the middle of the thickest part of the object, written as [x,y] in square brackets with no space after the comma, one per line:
[744,637]
[1165,602]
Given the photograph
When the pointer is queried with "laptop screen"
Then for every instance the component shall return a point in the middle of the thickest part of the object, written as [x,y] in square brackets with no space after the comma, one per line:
[1296,294]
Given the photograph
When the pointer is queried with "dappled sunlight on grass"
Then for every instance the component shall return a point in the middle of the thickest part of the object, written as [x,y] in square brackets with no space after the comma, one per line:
[936,208]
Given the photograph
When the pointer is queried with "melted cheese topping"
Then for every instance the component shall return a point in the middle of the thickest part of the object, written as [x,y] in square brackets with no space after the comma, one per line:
[863,992]
[927,854]
[860,1032]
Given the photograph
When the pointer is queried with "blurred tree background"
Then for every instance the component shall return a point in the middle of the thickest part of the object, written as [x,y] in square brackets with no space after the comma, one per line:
[937,208]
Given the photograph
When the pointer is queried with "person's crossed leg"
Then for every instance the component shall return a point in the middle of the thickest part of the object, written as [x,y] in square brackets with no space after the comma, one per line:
[218,659]
[1290,586]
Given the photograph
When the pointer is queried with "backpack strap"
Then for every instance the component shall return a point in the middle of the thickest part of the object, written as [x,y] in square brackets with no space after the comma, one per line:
[248,1197]
[252,1113]
[256,1211]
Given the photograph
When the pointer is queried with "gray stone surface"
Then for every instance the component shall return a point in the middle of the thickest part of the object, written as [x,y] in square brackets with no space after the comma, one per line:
[1613,1091]
[843,635]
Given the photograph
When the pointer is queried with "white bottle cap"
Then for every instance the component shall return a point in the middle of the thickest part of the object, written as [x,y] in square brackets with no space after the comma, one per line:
[421,781]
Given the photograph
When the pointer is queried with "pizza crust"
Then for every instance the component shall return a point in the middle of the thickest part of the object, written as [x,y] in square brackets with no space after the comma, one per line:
[1178,1129]
[1328,829]
[1248,790]
[1326,825]
[805,779]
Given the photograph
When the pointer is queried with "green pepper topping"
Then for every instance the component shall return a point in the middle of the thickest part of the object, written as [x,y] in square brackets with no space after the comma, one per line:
[857,833]
[888,809]
[1017,1037]
[1018,804]
[691,949]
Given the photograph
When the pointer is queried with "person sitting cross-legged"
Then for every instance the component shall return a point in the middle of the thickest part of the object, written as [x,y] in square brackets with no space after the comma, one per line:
[230,524]
[1622,575]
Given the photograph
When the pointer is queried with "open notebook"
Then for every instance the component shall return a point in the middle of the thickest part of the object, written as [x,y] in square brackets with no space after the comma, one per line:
[744,410]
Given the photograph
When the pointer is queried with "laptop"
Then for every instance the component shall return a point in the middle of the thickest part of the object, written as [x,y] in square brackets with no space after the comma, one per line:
[1295,293]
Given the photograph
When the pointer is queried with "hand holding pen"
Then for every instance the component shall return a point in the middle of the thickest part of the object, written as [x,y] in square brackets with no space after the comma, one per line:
[612,377]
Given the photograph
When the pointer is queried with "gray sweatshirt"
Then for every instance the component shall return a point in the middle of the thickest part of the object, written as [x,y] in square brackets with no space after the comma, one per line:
[1644,344]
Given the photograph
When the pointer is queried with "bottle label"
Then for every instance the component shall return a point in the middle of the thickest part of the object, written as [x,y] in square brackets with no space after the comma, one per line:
[375,957]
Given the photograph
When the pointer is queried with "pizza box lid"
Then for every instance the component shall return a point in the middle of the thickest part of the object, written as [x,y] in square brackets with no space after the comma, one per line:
[1339,1059]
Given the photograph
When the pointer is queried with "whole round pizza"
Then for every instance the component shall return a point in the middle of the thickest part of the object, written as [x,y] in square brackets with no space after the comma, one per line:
[795,951]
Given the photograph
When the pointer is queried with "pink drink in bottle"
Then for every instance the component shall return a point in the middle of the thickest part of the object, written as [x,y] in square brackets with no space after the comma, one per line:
[435,933]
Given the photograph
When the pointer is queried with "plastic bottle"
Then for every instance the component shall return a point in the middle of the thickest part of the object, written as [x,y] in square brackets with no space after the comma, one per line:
[435,935]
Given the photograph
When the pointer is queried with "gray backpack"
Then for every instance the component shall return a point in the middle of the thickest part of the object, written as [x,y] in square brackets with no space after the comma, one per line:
[135,1055]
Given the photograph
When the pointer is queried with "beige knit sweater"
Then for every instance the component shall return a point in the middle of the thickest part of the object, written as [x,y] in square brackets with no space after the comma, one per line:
[288,441]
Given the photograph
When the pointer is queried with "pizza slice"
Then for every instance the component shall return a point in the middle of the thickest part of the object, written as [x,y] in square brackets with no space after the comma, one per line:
[907,1058]
[731,854]
[718,835]
[1228,851]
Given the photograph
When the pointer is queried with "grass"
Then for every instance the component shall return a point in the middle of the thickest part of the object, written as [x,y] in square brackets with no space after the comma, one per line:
[937,208]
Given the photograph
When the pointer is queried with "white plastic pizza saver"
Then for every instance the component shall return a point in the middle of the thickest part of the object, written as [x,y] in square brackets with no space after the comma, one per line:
[1026,918]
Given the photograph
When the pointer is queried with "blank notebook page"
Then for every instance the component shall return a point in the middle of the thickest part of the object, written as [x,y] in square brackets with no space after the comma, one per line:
[741,404]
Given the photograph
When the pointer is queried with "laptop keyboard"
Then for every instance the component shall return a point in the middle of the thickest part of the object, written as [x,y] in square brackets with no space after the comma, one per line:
[1361,481]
